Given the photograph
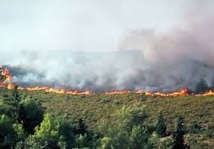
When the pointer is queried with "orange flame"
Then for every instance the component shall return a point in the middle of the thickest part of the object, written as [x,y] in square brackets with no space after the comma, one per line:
[11,86]
[209,93]
[7,82]
[183,92]
[52,90]
[8,78]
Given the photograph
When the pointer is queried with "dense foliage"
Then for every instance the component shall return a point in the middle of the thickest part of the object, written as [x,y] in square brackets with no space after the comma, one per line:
[36,119]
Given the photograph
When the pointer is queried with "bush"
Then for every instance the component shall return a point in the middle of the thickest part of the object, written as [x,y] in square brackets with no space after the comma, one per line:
[7,133]
[195,128]
[128,131]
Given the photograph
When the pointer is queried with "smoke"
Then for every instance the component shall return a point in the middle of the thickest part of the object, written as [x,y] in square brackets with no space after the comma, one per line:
[181,57]
[96,71]
[147,60]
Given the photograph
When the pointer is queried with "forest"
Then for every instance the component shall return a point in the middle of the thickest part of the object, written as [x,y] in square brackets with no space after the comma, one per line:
[119,74]
[39,119]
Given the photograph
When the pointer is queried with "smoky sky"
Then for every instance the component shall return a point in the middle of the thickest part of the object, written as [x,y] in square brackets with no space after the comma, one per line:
[80,25]
[103,46]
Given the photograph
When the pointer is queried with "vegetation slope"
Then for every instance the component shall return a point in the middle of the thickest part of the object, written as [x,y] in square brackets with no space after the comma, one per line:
[101,115]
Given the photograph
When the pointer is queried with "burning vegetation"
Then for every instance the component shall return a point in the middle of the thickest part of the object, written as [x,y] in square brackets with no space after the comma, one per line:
[7,82]
[6,78]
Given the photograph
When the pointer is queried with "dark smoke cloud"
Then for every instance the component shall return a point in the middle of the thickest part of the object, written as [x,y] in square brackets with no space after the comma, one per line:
[147,60]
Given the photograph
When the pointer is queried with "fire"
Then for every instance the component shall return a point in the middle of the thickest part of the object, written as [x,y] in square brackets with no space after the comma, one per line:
[183,92]
[117,92]
[7,78]
[7,82]
[52,90]
[11,86]
[210,93]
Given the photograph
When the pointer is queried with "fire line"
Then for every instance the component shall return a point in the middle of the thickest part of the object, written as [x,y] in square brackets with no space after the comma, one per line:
[7,82]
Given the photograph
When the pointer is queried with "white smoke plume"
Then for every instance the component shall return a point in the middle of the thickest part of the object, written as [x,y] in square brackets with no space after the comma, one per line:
[147,60]
[182,57]
[94,71]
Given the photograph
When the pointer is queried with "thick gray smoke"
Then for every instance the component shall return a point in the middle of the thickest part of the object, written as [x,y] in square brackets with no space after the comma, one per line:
[147,60]
[96,71]
[182,57]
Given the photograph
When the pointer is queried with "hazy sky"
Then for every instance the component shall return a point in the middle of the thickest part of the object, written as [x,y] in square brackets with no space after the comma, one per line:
[174,39]
[81,25]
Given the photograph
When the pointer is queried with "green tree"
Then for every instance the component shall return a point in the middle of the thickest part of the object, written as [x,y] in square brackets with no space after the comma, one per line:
[81,141]
[81,129]
[128,130]
[16,97]
[13,103]
[46,135]
[67,134]
[49,128]
[178,135]
[7,133]
[161,126]
[20,133]
[30,114]
[54,133]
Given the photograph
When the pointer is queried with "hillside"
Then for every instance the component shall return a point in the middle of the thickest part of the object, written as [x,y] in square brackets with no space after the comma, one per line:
[198,112]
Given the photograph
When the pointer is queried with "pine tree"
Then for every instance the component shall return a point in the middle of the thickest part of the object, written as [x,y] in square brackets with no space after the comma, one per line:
[178,135]
[14,102]
[15,94]
[81,127]
[30,114]
[161,126]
